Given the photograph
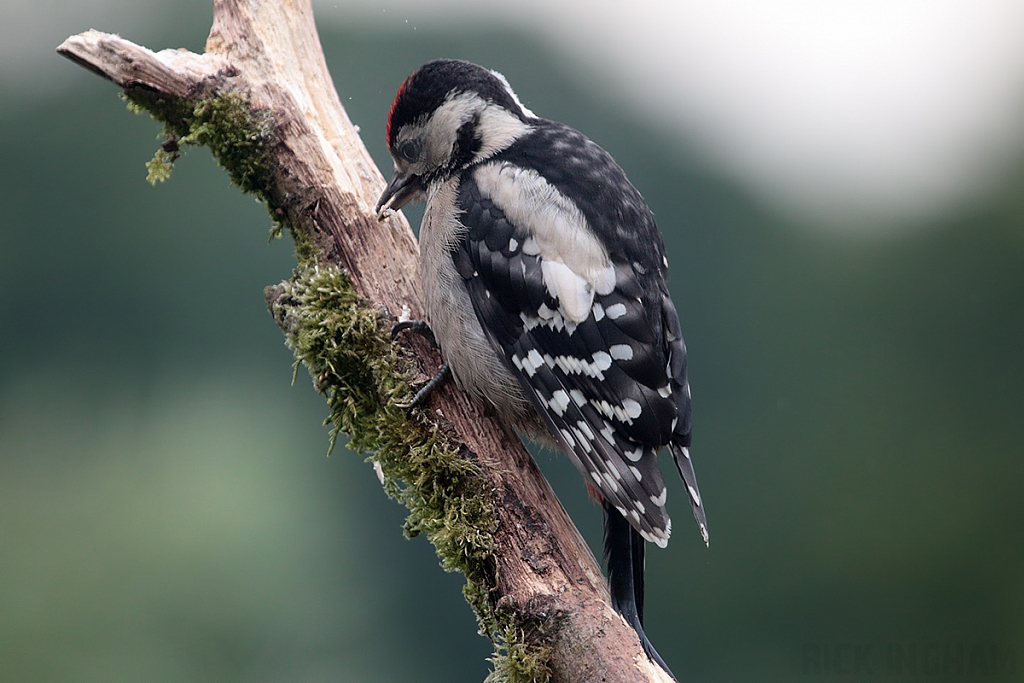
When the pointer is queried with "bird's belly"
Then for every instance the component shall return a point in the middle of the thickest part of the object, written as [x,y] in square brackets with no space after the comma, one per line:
[477,366]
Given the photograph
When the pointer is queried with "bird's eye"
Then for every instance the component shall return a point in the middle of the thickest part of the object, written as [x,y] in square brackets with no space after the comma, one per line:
[409,150]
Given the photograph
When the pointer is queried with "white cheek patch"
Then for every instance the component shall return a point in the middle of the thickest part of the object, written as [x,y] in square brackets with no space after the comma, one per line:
[498,128]
[574,294]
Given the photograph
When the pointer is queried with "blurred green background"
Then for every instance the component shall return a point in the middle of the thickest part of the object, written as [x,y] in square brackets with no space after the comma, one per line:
[167,512]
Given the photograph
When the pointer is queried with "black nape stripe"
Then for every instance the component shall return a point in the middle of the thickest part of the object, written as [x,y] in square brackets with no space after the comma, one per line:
[467,143]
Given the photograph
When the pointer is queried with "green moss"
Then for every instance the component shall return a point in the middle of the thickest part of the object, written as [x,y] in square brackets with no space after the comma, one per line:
[345,344]
[159,167]
[517,660]
[239,138]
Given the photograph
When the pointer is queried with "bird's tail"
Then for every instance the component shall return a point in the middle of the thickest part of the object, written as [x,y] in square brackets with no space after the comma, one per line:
[681,454]
[624,556]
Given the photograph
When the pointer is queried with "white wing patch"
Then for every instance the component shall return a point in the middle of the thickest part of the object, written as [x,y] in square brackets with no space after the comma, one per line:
[575,264]
[575,295]
[576,271]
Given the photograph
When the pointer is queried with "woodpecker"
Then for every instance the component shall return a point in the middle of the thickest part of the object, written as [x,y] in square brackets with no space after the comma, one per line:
[543,276]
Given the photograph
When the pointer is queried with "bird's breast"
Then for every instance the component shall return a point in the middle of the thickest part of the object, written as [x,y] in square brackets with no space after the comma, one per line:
[478,368]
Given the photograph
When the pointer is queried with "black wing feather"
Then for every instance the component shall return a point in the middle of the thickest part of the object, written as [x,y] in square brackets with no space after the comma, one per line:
[580,399]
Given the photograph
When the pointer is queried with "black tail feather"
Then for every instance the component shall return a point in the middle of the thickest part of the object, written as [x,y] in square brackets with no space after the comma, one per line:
[624,557]
[638,547]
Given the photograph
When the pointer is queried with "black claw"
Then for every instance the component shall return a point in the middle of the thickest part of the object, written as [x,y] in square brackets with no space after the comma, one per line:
[443,373]
[420,327]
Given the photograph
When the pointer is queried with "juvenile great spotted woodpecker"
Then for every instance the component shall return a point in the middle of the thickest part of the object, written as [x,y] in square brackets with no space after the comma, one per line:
[543,277]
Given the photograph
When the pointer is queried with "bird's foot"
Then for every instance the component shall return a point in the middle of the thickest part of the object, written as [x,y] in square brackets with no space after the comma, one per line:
[443,373]
[421,328]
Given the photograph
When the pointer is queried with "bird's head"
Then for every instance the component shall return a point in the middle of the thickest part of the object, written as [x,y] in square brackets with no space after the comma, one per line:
[446,116]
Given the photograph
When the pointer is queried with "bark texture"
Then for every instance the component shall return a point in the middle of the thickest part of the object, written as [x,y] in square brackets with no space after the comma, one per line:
[318,179]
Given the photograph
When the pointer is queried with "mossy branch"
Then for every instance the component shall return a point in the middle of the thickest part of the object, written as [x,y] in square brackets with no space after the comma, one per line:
[261,99]
[237,136]
[345,344]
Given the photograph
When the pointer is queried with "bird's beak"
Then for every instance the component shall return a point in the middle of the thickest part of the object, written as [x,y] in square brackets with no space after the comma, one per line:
[402,188]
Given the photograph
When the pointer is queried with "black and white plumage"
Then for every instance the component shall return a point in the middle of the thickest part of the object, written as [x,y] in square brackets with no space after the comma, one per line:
[544,282]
